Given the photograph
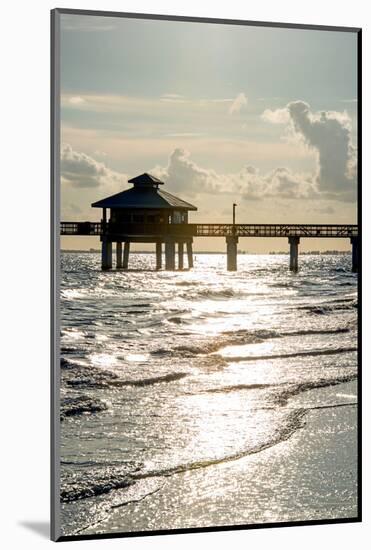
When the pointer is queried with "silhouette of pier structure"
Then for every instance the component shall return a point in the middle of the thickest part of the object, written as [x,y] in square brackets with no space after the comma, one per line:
[147,214]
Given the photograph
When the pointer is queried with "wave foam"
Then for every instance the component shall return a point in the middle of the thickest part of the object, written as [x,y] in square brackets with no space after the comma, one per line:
[76,406]
[310,353]
[95,481]
[295,389]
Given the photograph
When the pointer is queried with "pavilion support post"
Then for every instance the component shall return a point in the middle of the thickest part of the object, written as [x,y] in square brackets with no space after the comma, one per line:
[232,242]
[189,254]
[180,255]
[106,254]
[119,255]
[294,252]
[355,253]
[125,263]
[170,255]
[158,255]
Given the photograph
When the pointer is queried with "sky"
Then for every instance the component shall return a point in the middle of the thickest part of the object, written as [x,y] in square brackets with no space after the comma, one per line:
[263,117]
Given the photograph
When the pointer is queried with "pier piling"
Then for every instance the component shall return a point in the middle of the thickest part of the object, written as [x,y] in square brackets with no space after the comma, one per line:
[180,255]
[158,255]
[190,254]
[169,255]
[355,253]
[294,250]
[106,254]
[232,242]
[125,264]
[119,255]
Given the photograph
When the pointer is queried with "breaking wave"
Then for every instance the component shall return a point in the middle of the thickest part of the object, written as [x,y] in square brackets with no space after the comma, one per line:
[296,389]
[239,387]
[76,406]
[238,337]
[210,293]
[282,392]
[89,377]
[171,377]
[311,353]
[96,482]
[330,308]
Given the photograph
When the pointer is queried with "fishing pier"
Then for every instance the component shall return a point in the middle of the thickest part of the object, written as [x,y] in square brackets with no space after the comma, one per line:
[146,214]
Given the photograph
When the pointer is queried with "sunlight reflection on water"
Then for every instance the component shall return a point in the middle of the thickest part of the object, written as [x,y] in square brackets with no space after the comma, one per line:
[162,392]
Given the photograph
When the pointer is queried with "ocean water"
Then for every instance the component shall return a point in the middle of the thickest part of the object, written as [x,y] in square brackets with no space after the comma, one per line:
[205,397]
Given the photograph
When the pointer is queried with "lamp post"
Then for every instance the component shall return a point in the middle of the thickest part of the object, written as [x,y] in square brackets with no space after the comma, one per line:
[234,213]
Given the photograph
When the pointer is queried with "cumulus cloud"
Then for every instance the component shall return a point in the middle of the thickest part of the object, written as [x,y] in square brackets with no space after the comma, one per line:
[82,171]
[278,116]
[328,134]
[280,183]
[183,175]
[238,104]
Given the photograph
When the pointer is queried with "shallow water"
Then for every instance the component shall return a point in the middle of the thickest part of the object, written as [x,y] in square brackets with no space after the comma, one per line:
[167,375]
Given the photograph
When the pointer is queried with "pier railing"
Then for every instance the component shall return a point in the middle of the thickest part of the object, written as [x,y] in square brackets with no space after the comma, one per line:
[81,228]
[209,230]
[275,230]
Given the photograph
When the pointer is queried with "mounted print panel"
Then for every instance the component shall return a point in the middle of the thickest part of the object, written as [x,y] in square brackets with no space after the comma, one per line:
[206,248]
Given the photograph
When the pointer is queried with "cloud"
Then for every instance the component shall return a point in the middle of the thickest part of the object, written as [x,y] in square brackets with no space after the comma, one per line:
[82,171]
[183,175]
[104,103]
[76,100]
[173,98]
[280,183]
[221,100]
[185,134]
[173,95]
[186,175]
[238,104]
[328,135]
[278,116]
[324,210]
